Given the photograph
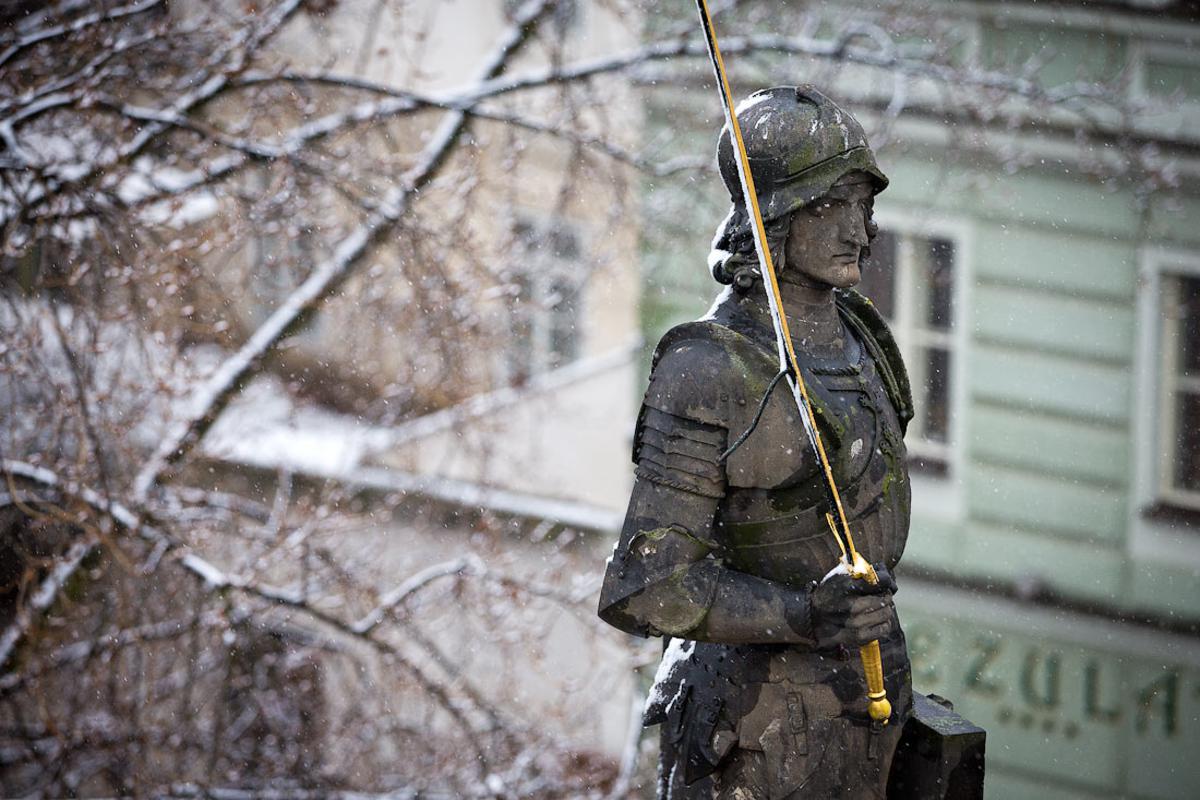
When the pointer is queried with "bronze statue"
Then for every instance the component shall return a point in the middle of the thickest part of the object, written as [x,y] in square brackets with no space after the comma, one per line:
[726,548]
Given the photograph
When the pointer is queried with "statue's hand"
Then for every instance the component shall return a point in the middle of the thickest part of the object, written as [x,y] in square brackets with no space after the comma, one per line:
[851,612]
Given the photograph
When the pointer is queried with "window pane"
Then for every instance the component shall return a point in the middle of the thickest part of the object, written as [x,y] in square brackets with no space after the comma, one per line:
[936,392]
[564,243]
[879,273]
[1164,77]
[561,306]
[1187,442]
[521,344]
[940,263]
[1189,326]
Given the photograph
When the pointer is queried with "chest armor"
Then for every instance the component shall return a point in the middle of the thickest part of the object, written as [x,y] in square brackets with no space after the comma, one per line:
[771,522]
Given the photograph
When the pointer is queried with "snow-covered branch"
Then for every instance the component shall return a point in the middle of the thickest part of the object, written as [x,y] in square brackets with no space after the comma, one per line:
[841,48]
[28,39]
[210,400]
[45,595]
[216,580]
[230,59]
[415,582]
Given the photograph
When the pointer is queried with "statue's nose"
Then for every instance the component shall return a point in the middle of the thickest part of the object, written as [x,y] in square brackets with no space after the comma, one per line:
[855,231]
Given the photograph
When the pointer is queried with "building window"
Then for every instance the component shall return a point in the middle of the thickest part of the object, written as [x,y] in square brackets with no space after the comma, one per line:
[544,313]
[1179,429]
[1168,71]
[911,280]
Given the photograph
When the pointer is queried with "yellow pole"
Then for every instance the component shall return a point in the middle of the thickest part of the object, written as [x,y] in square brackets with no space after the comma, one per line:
[878,707]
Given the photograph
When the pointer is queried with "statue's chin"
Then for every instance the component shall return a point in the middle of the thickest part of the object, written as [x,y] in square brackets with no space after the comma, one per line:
[844,274]
[853,276]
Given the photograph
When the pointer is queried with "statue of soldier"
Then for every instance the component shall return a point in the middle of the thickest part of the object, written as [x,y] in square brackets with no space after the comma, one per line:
[726,547]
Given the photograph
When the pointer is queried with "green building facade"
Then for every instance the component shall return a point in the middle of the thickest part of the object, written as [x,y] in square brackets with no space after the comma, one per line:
[1041,268]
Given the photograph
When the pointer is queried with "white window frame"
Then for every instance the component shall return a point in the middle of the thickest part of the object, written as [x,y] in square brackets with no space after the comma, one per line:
[938,496]
[1169,383]
[1152,537]
[1143,51]
[1183,120]
[1159,266]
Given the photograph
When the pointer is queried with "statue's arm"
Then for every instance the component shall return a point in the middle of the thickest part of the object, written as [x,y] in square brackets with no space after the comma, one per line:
[666,575]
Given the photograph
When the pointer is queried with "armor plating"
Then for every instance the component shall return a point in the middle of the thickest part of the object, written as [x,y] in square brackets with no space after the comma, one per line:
[725,547]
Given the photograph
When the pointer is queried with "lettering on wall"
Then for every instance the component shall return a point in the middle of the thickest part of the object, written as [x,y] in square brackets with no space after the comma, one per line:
[1093,702]
[1041,675]
[1160,700]
[979,678]
[1055,690]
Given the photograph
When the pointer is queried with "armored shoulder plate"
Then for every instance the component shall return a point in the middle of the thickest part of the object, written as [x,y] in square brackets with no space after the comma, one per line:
[699,368]
[696,372]
[860,313]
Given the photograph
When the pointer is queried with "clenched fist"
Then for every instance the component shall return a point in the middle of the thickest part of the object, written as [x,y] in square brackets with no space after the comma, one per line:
[851,612]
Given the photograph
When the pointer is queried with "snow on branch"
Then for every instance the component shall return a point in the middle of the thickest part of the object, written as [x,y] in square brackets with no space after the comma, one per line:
[44,477]
[45,594]
[403,101]
[85,649]
[210,400]
[229,60]
[415,582]
[215,579]
[69,562]
[34,37]
[884,55]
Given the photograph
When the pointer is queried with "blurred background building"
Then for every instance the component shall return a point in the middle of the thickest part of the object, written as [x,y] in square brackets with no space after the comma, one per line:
[1042,282]
[439,460]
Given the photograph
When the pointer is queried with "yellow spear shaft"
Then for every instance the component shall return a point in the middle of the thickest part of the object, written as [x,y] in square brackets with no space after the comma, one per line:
[879,708]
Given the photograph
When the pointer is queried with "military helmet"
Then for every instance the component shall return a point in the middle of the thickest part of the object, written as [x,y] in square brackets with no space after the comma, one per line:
[799,143]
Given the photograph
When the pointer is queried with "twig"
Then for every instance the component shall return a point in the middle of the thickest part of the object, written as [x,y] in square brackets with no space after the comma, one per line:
[215,580]
[210,400]
[45,595]
[30,39]
[415,582]
[242,46]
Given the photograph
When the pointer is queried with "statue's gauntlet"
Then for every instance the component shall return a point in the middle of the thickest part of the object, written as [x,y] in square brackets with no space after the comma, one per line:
[850,612]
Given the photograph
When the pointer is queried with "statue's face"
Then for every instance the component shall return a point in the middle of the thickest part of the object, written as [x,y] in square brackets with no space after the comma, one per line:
[827,237]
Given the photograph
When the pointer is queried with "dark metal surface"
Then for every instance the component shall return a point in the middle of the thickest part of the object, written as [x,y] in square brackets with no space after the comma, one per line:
[729,550]
[730,557]
[940,756]
[799,142]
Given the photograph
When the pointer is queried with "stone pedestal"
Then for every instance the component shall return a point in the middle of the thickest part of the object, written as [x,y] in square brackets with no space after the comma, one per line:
[940,755]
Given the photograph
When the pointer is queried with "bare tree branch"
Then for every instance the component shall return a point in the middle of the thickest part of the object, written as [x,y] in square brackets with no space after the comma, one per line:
[27,40]
[414,583]
[45,595]
[241,46]
[220,388]
[216,580]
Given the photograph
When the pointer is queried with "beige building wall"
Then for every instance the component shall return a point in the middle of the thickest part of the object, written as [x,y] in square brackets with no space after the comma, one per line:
[562,431]
[495,223]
